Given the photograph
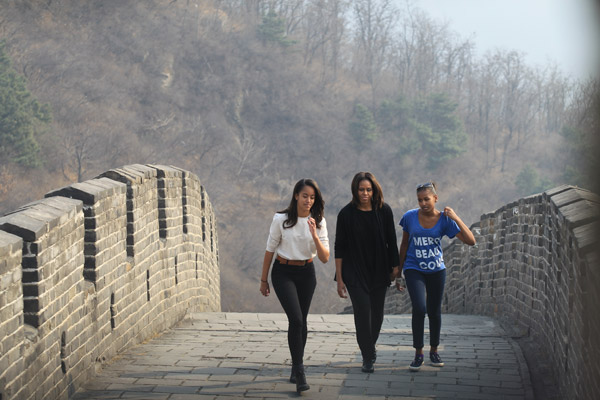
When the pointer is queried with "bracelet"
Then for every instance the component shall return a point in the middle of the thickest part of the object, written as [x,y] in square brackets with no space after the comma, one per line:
[264,281]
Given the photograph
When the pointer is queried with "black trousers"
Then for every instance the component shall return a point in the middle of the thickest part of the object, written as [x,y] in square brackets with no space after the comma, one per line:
[426,294]
[295,287]
[368,317]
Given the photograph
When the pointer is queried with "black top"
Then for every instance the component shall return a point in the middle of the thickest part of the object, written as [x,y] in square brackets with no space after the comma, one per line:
[366,242]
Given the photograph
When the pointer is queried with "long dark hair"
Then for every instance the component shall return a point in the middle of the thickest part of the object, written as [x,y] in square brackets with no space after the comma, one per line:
[316,210]
[377,199]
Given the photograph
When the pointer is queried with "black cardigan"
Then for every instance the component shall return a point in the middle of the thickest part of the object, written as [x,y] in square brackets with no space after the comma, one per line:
[366,273]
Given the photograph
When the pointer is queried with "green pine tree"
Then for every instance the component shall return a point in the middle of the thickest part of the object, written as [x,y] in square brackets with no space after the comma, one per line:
[439,129]
[582,164]
[22,117]
[393,115]
[272,29]
[529,181]
[362,127]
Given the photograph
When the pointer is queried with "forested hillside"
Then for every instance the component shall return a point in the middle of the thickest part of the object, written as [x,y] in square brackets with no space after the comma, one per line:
[252,95]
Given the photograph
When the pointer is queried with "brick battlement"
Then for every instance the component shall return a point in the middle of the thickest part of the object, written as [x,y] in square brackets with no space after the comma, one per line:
[97,267]
[536,268]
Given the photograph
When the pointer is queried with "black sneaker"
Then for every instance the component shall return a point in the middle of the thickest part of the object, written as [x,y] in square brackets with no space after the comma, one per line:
[436,361]
[368,366]
[417,362]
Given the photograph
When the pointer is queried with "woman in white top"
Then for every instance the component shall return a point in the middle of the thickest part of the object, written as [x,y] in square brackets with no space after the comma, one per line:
[297,235]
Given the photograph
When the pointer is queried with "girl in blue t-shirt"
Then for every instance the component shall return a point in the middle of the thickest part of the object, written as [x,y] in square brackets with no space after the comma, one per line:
[422,262]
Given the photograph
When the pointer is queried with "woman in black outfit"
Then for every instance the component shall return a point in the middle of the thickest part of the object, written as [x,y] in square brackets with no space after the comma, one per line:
[366,260]
[297,235]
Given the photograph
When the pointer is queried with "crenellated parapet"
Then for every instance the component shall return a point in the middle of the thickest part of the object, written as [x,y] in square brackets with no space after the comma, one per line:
[96,267]
[536,267]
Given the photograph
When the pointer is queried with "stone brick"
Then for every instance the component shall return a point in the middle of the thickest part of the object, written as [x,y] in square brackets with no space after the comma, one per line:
[62,248]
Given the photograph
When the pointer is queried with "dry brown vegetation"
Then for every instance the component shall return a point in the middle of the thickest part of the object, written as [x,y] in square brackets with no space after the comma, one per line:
[202,84]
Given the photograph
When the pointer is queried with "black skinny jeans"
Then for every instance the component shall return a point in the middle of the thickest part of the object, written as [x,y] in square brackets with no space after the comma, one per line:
[368,317]
[426,292]
[295,286]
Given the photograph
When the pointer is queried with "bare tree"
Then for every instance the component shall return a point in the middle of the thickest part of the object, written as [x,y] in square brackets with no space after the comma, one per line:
[292,11]
[323,30]
[485,97]
[80,148]
[508,102]
[374,22]
[555,90]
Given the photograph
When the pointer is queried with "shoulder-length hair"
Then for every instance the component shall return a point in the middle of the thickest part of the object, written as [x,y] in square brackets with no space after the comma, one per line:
[316,211]
[377,199]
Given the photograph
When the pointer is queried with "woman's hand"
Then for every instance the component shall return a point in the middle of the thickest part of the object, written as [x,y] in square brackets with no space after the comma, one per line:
[465,235]
[264,283]
[312,226]
[341,289]
[400,284]
[264,288]
[449,212]
[322,251]
[394,273]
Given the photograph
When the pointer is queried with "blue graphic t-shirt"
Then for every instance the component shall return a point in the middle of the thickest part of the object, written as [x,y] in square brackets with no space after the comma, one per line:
[425,245]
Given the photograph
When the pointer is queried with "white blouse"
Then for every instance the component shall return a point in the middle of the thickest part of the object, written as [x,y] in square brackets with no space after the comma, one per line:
[295,243]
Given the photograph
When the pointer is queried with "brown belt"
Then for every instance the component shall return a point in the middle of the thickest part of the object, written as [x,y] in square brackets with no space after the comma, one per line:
[293,262]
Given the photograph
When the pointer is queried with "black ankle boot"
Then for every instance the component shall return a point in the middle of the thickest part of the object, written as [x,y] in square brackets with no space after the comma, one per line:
[301,384]
[367,366]
[293,374]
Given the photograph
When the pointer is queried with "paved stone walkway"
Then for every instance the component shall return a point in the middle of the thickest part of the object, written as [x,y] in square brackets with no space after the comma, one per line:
[242,355]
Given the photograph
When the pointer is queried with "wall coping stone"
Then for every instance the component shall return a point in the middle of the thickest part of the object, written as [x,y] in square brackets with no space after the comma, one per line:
[9,243]
[143,170]
[558,189]
[37,218]
[89,191]
[121,175]
[587,236]
[167,171]
[27,227]
[571,196]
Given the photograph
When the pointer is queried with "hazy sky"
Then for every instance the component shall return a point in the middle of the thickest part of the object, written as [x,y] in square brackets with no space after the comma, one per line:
[564,31]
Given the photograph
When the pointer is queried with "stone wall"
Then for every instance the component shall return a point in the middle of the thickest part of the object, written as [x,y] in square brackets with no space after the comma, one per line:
[536,268]
[97,267]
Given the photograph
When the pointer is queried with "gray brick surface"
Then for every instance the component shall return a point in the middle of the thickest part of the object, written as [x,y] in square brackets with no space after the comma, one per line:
[98,279]
[202,348]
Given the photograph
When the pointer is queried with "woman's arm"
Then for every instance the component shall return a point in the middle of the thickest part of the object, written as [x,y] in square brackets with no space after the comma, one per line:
[264,283]
[341,287]
[402,256]
[340,248]
[403,249]
[392,242]
[465,235]
[322,251]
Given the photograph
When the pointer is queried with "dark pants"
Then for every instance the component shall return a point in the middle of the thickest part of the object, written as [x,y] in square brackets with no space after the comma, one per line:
[368,317]
[426,292]
[294,287]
